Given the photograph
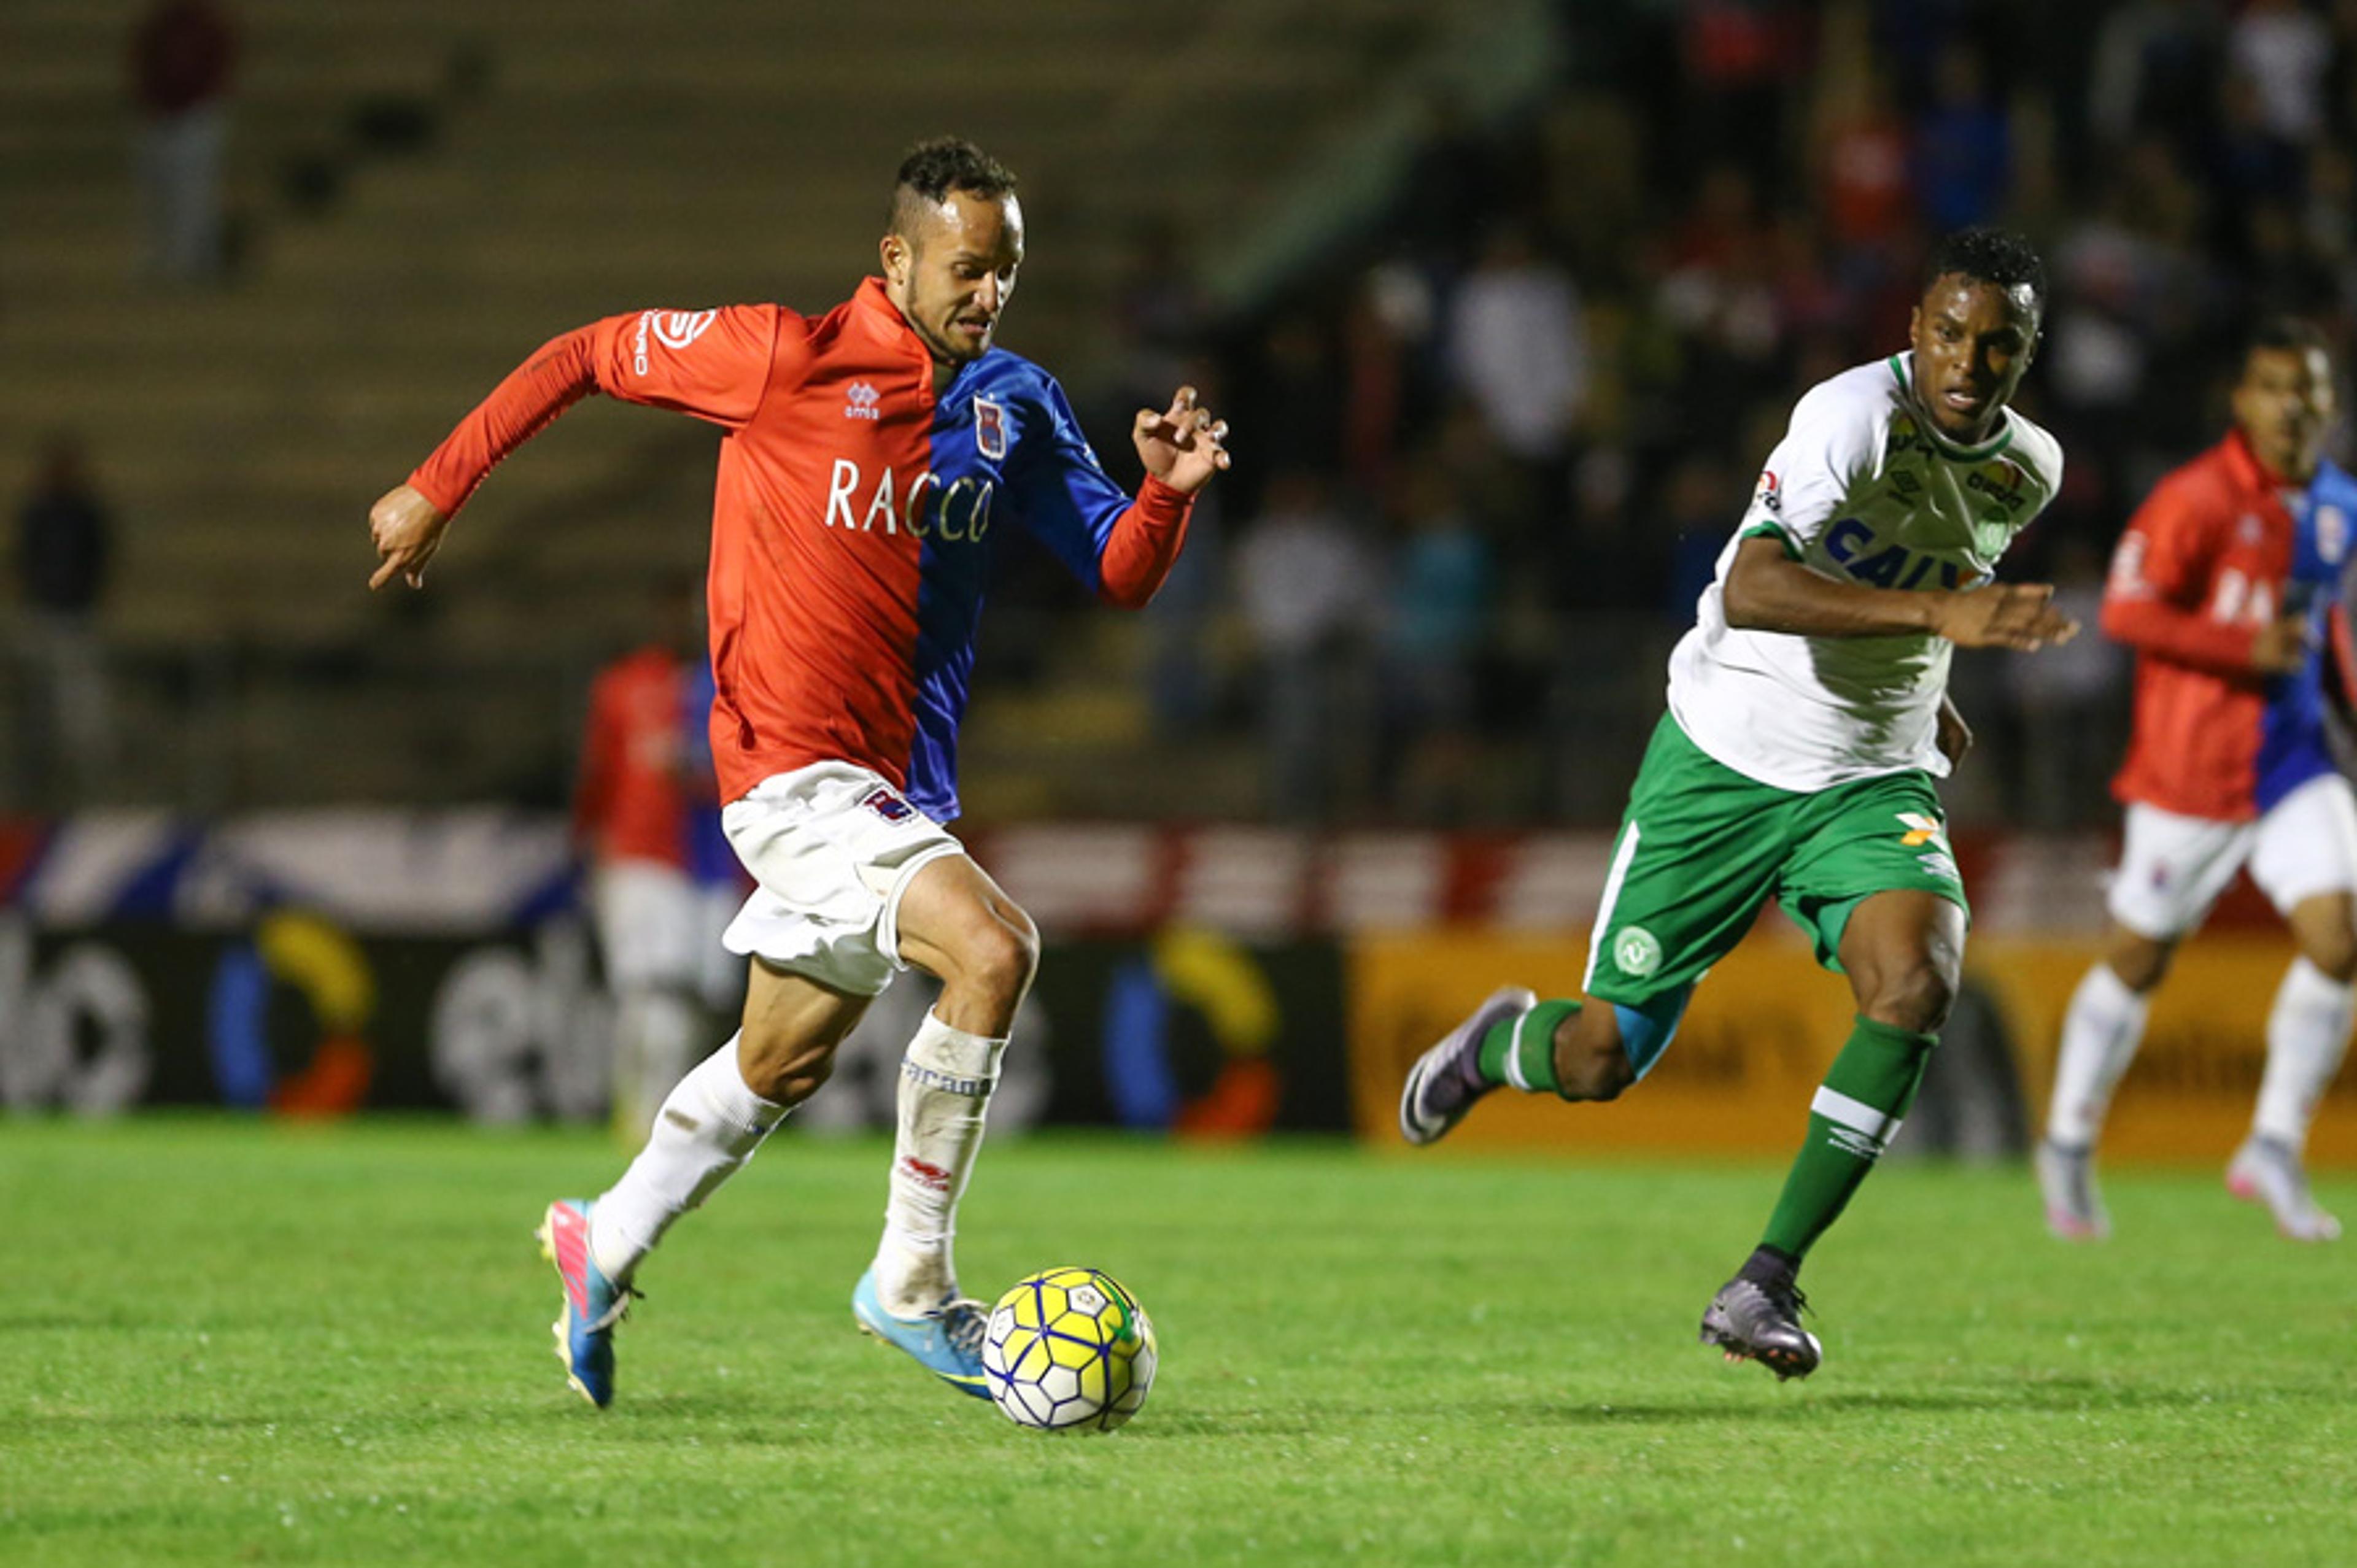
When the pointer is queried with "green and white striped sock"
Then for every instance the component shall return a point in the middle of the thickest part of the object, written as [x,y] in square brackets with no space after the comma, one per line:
[1520,1052]
[1852,1120]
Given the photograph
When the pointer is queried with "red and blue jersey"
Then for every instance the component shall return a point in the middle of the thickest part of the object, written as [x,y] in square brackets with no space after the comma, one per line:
[853,517]
[2219,548]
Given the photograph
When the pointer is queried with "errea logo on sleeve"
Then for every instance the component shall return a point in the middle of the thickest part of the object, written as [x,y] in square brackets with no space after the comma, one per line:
[672,328]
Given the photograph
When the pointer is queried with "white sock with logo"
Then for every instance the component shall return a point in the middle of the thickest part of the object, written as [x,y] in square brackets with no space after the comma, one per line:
[708,1126]
[2308,1032]
[2100,1036]
[945,1084]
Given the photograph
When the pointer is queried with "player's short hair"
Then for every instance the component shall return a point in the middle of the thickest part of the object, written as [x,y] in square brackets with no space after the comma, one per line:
[2296,333]
[936,167]
[1989,255]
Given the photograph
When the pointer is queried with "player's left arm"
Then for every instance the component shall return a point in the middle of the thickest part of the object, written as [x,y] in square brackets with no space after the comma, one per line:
[1122,548]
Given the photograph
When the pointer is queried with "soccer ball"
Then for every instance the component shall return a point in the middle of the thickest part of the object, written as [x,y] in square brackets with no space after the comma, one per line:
[1068,1348]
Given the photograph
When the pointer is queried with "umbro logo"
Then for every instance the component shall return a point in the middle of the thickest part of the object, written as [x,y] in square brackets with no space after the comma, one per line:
[860,402]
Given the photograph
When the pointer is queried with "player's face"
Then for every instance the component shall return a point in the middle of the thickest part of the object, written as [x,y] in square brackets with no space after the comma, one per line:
[1973,341]
[2283,403]
[953,273]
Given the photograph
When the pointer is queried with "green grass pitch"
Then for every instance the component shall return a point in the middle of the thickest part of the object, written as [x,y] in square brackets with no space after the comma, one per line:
[223,1342]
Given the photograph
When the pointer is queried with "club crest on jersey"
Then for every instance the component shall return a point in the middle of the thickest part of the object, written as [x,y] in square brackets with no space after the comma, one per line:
[888,805]
[860,402]
[2331,534]
[990,429]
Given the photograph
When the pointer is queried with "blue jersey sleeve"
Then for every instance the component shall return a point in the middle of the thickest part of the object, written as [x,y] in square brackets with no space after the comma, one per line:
[1059,489]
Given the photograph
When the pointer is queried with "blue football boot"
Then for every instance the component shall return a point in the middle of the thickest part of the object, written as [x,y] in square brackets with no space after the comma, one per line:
[946,1341]
[593,1303]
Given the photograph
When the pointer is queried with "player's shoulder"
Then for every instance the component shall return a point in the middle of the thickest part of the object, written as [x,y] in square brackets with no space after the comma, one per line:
[2203,483]
[2035,449]
[1864,398]
[1009,377]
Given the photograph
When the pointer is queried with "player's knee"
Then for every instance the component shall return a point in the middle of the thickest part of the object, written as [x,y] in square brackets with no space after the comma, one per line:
[999,953]
[2333,950]
[1916,996]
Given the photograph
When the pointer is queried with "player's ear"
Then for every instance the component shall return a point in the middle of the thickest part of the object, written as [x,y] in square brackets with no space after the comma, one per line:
[893,251]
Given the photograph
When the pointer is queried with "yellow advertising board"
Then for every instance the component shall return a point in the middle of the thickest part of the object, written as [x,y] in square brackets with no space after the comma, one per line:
[1765,1024]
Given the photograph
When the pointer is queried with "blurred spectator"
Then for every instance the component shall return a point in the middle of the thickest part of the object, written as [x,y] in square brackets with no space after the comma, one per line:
[182,58]
[2285,52]
[2156,69]
[1442,595]
[2072,701]
[1963,147]
[62,554]
[1309,586]
[1517,346]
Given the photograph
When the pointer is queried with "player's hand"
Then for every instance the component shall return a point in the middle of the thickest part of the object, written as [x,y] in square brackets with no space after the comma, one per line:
[407,530]
[2283,645]
[2019,615]
[1954,735]
[1181,445]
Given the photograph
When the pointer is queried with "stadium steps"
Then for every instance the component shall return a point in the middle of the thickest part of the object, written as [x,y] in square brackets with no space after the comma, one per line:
[617,154]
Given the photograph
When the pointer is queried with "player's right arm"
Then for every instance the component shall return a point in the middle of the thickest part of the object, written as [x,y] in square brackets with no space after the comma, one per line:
[714,364]
[1769,591]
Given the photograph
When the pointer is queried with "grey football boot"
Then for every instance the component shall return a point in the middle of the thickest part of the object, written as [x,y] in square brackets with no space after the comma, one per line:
[1446,1079]
[1752,1320]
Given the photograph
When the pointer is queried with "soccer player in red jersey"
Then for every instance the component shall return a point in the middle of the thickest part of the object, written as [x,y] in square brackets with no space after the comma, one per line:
[870,457]
[2221,584]
[644,796]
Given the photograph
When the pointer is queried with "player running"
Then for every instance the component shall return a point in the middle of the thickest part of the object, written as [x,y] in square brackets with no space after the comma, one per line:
[2221,584]
[871,456]
[1808,714]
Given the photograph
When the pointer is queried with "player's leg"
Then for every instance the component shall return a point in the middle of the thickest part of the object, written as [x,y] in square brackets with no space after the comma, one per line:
[707,1127]
[2172,868]
[1697,854]
[1903,950]
[957,925]
[2305,861]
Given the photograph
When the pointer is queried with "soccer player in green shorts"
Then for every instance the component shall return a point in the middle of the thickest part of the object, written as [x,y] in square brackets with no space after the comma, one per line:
[1808,715]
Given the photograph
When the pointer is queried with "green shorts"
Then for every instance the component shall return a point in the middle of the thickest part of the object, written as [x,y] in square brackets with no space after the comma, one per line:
[1703,846]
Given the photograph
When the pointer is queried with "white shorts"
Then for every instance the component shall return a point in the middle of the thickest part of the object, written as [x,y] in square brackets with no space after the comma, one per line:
[834,848]
[649,929]
[2173,868]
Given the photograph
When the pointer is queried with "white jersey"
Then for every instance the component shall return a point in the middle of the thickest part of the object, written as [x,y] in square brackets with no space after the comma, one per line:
[1864,488]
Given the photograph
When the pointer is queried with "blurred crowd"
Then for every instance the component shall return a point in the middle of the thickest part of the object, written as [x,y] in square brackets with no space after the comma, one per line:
[1487,462]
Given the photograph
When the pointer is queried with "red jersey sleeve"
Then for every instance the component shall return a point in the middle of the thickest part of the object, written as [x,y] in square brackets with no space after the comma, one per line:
[2157,599]
[1144,545]
[714,364]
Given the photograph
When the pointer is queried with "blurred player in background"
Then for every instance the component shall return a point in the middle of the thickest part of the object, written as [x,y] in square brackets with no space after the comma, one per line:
[2221,584]
[645,795]
[871,455]
[1808,715]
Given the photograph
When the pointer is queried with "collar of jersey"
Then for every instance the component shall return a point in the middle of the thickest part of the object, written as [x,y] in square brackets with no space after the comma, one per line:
[872,305]
[1989,448]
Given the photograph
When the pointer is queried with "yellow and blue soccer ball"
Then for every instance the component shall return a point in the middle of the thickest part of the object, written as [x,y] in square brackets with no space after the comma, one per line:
[1068,1349]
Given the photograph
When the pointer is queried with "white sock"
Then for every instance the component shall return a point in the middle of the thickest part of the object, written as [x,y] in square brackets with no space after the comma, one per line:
[709,1125]
[2100,1036]
[945,1084]
[2307,1033]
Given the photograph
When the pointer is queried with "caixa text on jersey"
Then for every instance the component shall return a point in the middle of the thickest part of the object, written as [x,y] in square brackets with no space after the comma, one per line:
[955,512]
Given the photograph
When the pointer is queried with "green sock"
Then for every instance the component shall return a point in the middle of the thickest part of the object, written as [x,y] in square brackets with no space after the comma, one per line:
[1851,1122]
[1520,1052]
